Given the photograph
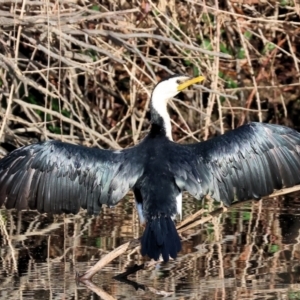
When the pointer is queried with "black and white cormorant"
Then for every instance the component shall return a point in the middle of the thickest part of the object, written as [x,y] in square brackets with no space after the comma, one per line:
[246,163]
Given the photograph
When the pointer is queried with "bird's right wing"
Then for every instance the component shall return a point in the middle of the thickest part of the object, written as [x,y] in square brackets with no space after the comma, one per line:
[246,163]
[58,177]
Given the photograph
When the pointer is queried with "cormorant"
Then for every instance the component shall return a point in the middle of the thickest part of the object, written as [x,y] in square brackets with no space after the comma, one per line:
[246,163]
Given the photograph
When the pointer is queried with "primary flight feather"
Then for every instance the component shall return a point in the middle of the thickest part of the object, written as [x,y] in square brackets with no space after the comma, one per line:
[246,163]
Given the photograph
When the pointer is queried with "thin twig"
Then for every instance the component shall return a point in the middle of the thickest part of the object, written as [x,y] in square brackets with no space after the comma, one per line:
[10,99]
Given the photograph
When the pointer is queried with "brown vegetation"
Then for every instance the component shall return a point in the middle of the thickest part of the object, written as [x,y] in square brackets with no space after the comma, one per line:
[82,71]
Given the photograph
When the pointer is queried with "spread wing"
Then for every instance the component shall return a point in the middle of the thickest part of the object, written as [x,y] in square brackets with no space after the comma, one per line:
[246,163]
[59,177]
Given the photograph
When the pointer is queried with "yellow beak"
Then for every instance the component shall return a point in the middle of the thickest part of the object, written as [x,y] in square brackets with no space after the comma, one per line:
[189,82]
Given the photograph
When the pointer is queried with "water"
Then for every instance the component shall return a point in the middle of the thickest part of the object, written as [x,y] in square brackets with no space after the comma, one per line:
[250,252]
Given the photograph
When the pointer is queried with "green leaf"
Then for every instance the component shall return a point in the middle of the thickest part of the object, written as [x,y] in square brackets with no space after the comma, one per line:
[31,99]
[273,248]
[155,12]
[231,84]
[54,129]
[98,242]
[233,217]
[241,53]
[222,99]
[92,53]
[196,72]
[248,35]
[224,49]
[55,105]
[286,3]
[206,44]
[187,62]
[66,113]
[246,215]
[293,295]
[268,47]
[3,215]
[95,7]
[210,228]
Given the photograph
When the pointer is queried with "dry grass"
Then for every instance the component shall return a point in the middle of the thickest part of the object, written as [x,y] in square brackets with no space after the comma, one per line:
[248,252]
[82,72]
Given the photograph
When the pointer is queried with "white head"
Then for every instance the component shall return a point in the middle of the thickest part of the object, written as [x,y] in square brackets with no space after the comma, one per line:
[165,90]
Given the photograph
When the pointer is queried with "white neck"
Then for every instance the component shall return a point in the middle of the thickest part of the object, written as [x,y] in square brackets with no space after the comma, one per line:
[160,106]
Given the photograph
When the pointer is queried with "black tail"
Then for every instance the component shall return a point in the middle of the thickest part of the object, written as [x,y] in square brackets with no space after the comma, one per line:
[161,237]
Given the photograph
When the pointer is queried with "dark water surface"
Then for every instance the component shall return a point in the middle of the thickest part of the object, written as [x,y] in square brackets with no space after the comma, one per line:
[250,252]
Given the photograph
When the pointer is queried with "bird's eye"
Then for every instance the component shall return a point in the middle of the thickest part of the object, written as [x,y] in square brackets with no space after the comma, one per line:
[178,81]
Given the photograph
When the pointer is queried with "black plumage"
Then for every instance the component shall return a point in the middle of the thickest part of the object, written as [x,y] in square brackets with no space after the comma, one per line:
[58,177]
[246,163]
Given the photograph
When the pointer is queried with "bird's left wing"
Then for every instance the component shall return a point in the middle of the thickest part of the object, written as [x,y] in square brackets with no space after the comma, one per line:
[58,177]
[246,163]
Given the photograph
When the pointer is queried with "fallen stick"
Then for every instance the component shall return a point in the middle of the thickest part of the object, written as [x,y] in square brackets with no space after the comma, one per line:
[102,294]
[191,222]
[87,276]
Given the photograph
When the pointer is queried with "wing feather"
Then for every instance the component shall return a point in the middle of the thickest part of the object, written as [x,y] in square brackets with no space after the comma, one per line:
[59,177]
[33,196]
[246,163]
